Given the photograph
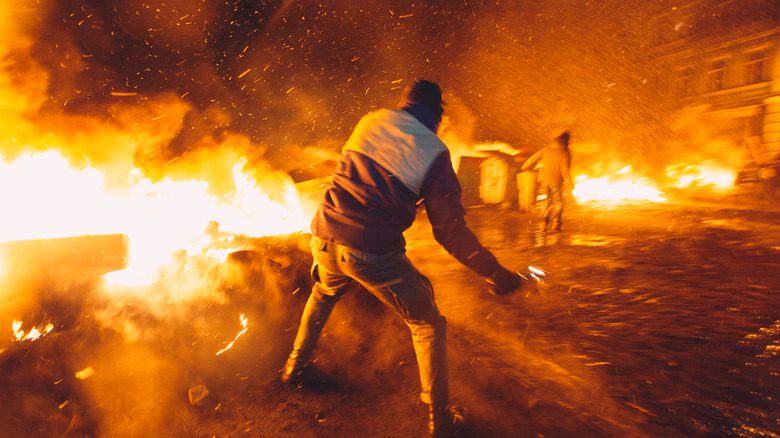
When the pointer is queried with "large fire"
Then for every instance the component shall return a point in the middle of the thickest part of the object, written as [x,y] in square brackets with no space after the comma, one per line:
[621,187]
[625,185]
[708,175]
[47,197]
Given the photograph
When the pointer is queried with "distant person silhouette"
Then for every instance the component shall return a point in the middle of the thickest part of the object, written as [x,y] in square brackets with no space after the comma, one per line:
[554,164]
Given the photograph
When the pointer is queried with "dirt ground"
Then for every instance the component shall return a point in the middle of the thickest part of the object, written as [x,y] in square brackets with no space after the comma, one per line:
[654,321]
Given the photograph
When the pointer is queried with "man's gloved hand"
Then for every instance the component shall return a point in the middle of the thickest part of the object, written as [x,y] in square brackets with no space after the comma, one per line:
[505,281]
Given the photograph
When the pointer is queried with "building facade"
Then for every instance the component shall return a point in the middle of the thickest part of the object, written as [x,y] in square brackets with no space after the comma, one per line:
[720,60]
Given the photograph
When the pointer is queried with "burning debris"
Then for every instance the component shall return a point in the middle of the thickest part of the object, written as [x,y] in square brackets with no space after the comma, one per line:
[158,219]
[701,176]
[147,346]
[621,187]
[197,394]
[31,335]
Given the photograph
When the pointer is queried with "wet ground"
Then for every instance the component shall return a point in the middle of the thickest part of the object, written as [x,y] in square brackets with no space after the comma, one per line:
[655,320]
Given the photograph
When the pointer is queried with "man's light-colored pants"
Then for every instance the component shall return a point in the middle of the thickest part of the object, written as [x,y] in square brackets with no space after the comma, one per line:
[554,208]
[394,281]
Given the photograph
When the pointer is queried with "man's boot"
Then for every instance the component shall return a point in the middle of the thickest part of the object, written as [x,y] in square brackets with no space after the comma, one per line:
[315,315]
[445,421]
[292,371]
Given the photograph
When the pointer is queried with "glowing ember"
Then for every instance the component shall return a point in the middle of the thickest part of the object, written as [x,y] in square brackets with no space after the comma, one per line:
[84,374]
[244,324]
[159,219]
[33,334]
[622,187]
[703,175]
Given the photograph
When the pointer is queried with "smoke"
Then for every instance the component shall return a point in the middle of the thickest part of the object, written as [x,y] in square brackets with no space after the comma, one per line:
[288,77]
[64,87]
[701,137]
[23,82]
[287,74]
[363,340]
[123,362]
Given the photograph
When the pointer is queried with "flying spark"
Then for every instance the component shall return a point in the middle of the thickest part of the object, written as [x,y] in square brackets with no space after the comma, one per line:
[244,323]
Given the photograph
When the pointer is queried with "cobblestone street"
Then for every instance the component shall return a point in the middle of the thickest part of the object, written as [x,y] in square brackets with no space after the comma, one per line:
[656,321]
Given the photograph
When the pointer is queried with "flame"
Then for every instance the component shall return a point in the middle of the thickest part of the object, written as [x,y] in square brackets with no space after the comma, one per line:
[244,328]
[33,334]
[47,197]
[618,188]
[44,198]
[626,186]
[706,174]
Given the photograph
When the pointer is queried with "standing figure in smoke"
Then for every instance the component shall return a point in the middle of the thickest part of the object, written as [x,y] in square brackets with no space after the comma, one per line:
[392,162]
[554,162]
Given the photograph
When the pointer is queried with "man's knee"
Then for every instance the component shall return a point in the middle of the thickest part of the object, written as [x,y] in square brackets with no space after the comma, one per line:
[434,324]
[437,321]
[323,295]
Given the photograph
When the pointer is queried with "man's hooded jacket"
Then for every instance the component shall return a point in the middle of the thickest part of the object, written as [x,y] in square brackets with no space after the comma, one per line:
[392,163]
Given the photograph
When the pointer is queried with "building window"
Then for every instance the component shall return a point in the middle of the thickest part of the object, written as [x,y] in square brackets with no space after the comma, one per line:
[664,29]
[685,82]
[669,29]
[717,75]
[755,68]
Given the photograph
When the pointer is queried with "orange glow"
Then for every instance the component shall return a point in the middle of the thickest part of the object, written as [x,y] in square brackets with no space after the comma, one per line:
[85,373]
[33,334]
[619,188]
[706,174]
[49,198]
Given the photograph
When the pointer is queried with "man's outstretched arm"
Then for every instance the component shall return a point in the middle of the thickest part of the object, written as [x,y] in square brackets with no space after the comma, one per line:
[441,193]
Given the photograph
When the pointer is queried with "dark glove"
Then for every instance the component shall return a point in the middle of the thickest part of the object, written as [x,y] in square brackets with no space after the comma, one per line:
[505,281]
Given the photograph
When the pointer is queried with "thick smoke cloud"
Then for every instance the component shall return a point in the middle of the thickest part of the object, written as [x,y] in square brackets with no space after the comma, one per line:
[292,74]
